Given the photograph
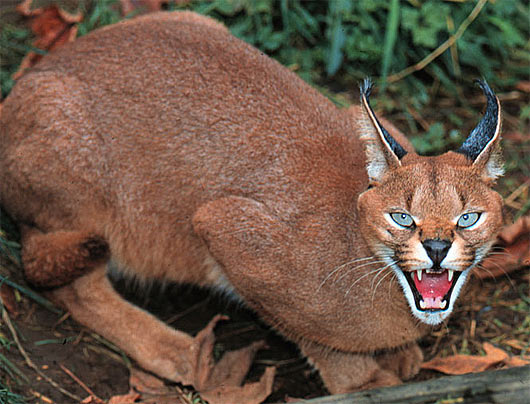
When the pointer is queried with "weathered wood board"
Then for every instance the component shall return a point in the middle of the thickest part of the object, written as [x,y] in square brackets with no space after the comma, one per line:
[508,386]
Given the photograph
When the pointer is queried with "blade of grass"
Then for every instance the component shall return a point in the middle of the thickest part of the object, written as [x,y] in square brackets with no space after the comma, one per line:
[12,369]
[60,341]
[37,298]
[392,24]
[442,48]
[8,397]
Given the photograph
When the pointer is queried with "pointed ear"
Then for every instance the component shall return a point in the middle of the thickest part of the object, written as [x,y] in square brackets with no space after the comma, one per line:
[383,152]
[482,146]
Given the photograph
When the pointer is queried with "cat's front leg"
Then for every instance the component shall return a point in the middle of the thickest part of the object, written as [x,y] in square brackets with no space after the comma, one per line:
[403,361]
[344,372]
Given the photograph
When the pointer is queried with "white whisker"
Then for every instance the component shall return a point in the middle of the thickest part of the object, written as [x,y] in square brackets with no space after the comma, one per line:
[338,268]
[359,266]
[378,283]
[501,268]
[367,274]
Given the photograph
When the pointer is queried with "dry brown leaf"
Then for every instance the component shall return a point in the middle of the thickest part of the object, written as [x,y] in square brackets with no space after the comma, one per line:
[92,400]
[514,245]
[250,393]
[148,389]
[130,398]
[462,364]
[52,26]
[217,382]
[515,361]
[515,343]
[128,6]
[146,383]
[24,8]
[523,86]
[494,354]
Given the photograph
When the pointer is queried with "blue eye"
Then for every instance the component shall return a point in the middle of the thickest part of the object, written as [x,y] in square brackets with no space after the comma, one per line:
[403,219]
[468,219]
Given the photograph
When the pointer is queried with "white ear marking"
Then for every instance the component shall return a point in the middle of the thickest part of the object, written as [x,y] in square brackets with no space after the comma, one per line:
[482,146]
[382,150]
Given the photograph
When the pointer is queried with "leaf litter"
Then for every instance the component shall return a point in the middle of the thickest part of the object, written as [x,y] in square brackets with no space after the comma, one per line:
[52,26]
[495,358]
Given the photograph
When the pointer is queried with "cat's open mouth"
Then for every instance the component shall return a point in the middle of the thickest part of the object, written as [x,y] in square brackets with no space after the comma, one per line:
[432,290]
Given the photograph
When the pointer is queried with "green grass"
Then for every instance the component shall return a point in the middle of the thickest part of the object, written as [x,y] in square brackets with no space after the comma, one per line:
[8,397]
[345,41]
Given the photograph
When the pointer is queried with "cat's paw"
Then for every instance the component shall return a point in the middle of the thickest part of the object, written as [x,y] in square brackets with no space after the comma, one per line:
[405,361]
[345,372]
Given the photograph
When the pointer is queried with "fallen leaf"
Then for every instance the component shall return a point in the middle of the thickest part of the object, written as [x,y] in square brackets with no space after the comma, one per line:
[146,383]
[511,251]
[515,343]
[250,393]
[462,364]
[91,400]
[523,86]
[130,398]
[515,361]
[128,6]
[52,26]
[493,353]
[24,8]
[147,389]
[218,382]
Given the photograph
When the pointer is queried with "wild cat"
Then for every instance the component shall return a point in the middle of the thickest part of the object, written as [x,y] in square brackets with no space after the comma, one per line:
[181,153]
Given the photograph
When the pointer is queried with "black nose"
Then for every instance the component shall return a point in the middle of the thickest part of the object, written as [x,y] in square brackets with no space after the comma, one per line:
[436,250]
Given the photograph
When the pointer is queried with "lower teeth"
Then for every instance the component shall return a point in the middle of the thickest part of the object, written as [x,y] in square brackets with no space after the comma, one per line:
[441,306]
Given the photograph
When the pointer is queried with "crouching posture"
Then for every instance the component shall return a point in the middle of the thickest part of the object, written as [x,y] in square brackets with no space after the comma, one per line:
[181,153]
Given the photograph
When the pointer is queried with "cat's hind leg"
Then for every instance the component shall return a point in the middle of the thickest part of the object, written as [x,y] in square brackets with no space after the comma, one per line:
[169,353]
[77,262]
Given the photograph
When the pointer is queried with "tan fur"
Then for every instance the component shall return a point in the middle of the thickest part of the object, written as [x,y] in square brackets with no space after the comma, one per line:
[199,159]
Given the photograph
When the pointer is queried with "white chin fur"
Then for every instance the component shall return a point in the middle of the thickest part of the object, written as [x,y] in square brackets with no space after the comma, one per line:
[429,317]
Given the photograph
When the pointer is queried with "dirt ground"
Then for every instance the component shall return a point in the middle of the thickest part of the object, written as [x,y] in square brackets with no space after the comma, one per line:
[491,310]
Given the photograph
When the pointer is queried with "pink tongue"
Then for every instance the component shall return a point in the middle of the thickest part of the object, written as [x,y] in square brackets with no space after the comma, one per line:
[432,285]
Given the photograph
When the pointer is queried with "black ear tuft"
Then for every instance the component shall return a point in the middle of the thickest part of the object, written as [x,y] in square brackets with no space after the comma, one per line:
[366,89]
[486,128]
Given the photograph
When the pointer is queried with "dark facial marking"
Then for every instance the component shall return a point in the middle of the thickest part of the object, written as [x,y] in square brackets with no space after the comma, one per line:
[366,89]
[485,129]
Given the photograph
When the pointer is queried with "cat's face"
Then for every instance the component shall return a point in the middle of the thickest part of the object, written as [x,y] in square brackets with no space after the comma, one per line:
[432,220]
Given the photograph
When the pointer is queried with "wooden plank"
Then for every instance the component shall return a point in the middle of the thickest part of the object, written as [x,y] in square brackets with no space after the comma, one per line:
[508,386]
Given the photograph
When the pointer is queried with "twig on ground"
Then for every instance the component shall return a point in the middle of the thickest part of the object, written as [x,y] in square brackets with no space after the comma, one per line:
[42,397]
[80,382]
[37,298]
[510,200]
[29,362]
